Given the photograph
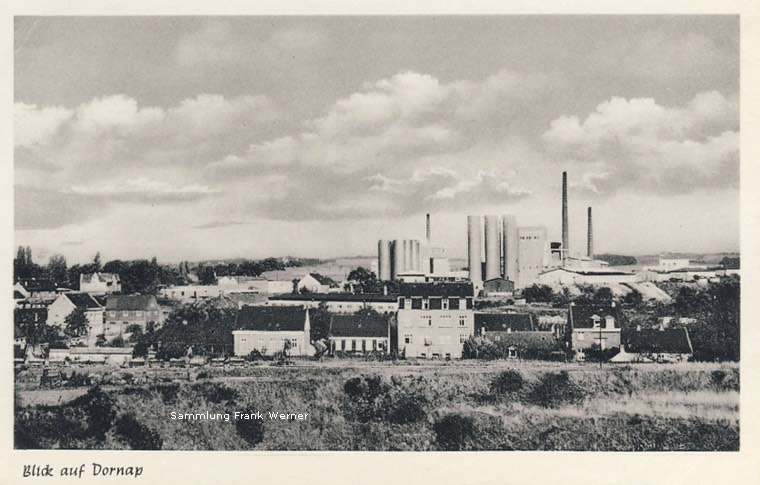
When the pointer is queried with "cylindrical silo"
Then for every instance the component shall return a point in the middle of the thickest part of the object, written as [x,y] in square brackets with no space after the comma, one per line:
[384,260]
[416,266]
[510,248]
[493,247]
[474,259]
[397,263]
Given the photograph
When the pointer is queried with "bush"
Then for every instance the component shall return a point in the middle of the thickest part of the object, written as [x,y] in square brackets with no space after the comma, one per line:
[371,399]
[215,392]
[168,392]
[408,408]
[507,382]
[453,431]
[555,389]
[137,435]
[100,410]
[250,430]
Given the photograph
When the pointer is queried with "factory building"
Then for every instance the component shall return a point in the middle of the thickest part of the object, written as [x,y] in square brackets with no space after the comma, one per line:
[532,254]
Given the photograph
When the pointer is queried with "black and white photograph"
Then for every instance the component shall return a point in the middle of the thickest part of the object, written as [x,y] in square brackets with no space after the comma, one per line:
[375,233]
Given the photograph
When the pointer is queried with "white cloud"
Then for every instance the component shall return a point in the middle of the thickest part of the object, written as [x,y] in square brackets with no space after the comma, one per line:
[144,187]
[35,126]
[638,143]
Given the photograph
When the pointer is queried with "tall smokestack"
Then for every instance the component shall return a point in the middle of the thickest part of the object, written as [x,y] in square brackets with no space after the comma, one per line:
[474,259]
[565,231]
[493,249]
[510,264]
[590,253]
[427,228]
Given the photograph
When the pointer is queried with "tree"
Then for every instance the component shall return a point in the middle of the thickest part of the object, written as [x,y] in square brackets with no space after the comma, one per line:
[58,270]
[206,275]
[538,293]
[320,322]
[96,262]
[24,267]
[603,296]
[101,341]
[363,281]
[76,323]
[634,299]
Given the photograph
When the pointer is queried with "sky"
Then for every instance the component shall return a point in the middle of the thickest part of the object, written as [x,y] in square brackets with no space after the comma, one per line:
[193,138]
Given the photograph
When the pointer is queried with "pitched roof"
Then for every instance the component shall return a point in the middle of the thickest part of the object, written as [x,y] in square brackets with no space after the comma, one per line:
[100,277]
[83,300]
[503,322]
[359,326]
[580,316]
[37,284]
[271,318]
[17,295]
[436,289]
[368,297]
[671,340]
[131,302]
[323,280]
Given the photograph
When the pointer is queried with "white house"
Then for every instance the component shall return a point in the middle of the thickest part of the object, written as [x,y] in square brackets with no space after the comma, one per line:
[315,283]
[66,303]
[360,333]
[99,283]
[269,329]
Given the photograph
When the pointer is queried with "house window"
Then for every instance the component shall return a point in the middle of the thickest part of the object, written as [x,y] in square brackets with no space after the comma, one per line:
[407,303]
[138,313]
[364,345]
[445,304]
[380,345]
[430,321]
[125,314]
[242,340]
[113,314]
[425,304]
[374,344]
[294,342]
[462,321]
[407,338]
[342,345]
[462,339]
[353,346]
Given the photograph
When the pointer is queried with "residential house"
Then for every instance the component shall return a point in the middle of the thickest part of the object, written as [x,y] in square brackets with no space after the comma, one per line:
[267,329]
[359,333]
[99,283]
[191,293]
[434,319]
[66,303]
[125,310]
[588,325]
[338,302]
[519,334]
[315,283]
[654,345]
[36,288]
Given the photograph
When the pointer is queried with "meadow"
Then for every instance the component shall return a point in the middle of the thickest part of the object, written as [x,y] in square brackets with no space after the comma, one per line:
[406,406]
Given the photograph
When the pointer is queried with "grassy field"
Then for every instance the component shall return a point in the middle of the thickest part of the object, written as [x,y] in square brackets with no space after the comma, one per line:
[409,406]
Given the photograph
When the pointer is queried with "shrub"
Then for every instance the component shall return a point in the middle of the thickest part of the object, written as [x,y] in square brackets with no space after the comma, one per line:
[453,431]
[137,435]
[555,389]
[507,382]
[168,392]
[408,408]
[250,430]
[215,392]
[100,410]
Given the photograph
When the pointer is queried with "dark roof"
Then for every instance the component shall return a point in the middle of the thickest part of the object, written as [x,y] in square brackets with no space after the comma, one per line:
[502,322]
[271,318]
[359,326]
[529,340]
[37,284]
[368,297]
[436,289]
[323,280]
[672,340]
[83,300]
[580,316]
[131,302]
[101,299]
[17,295]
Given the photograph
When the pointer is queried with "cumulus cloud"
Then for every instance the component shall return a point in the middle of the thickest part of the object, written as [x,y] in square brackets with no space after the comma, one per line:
[639,144]
[35,125]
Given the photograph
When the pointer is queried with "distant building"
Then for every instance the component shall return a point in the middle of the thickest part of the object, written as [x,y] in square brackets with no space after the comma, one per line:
[654,345]
[66,303]
[359,333]
[498,287]
[338,302]
[36,288]
[267,329]
[569,276]
[99,283]
[498,323]
[434,320]
[191,293]
[315,283]
[125,310]
[533,255]
[593,324]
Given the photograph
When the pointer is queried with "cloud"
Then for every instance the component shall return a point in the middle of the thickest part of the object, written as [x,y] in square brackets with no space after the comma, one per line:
[144,189]
[35,125]
[638,144]
[49,209]
[220,224]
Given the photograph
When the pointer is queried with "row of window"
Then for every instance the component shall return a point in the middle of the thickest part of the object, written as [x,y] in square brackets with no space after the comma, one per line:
[434,303]
[443,340]
[137,313]
[353,346]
